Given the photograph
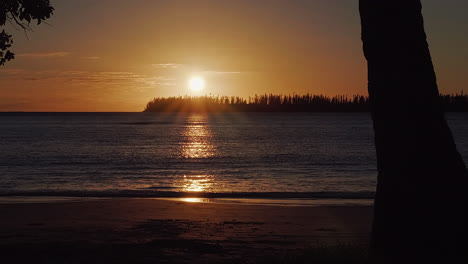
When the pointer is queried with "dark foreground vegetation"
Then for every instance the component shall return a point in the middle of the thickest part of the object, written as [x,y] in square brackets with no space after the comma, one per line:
[282,103]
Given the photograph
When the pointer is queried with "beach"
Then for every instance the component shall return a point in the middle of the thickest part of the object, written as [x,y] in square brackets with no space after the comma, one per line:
[132,230]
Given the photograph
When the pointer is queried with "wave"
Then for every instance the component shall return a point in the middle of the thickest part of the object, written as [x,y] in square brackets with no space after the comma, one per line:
[174,194]
[147,123]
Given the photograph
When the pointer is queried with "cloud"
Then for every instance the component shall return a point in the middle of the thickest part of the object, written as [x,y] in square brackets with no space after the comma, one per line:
[166,65]
[222,72]
[91,58]
[11,72]
[12,105]
[44,54]
[86,78]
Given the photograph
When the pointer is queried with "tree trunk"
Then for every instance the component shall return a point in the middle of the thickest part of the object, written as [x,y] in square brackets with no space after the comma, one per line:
[421,194]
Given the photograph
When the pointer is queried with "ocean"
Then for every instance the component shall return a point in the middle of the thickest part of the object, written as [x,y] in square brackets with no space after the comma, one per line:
[216,155]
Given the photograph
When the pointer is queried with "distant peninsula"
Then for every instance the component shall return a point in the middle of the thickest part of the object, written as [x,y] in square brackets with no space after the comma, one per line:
[282,103]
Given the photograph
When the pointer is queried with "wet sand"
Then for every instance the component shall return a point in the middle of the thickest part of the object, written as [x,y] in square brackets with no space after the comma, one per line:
[167,231]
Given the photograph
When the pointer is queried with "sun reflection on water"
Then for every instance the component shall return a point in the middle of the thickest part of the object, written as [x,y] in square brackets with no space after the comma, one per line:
[198,183]
[197,143]
[198,138]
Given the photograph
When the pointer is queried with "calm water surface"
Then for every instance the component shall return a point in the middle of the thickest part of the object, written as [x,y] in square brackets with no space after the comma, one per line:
[152,154]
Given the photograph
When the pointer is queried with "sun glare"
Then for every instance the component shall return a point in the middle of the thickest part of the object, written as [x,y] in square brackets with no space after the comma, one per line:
[196,84]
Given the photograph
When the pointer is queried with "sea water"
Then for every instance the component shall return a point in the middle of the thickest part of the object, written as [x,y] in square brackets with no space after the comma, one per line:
[224,155]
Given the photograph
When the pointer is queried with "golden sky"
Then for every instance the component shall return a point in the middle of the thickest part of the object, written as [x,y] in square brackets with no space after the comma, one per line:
[115,55]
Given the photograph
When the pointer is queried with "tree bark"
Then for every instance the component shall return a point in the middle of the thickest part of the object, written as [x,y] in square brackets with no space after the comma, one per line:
[421,197]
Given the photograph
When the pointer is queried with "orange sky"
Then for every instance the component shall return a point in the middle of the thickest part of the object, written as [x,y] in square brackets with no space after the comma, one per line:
[116,55]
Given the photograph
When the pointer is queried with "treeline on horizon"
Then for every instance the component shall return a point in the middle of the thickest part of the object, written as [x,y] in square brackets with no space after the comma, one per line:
[282,103]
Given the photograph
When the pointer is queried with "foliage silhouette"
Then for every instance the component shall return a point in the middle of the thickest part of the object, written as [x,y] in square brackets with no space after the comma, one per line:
[258,103]
[20,13]
[421,199]
[281,103]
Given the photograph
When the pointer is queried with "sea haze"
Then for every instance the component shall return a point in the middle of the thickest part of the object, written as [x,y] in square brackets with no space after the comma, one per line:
[229,155]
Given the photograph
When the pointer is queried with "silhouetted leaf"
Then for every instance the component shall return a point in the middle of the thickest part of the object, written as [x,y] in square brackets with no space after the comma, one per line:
[20,12]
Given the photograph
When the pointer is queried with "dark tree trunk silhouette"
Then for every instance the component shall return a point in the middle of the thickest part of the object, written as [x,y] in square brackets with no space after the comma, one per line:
[421,197]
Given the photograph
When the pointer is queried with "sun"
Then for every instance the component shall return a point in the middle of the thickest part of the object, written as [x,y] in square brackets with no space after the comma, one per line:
[197,84]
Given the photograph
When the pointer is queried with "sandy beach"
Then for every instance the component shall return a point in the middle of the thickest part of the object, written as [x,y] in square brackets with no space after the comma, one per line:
[170,231]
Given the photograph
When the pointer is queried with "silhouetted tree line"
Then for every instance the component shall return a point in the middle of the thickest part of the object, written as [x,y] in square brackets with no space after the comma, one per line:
[282,103]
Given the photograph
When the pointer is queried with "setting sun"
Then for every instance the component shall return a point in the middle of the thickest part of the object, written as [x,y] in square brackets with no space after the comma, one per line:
[196,84]
[233,131]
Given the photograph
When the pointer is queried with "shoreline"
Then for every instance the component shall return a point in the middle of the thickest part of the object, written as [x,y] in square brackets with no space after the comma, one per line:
[307,202]
[105,193]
